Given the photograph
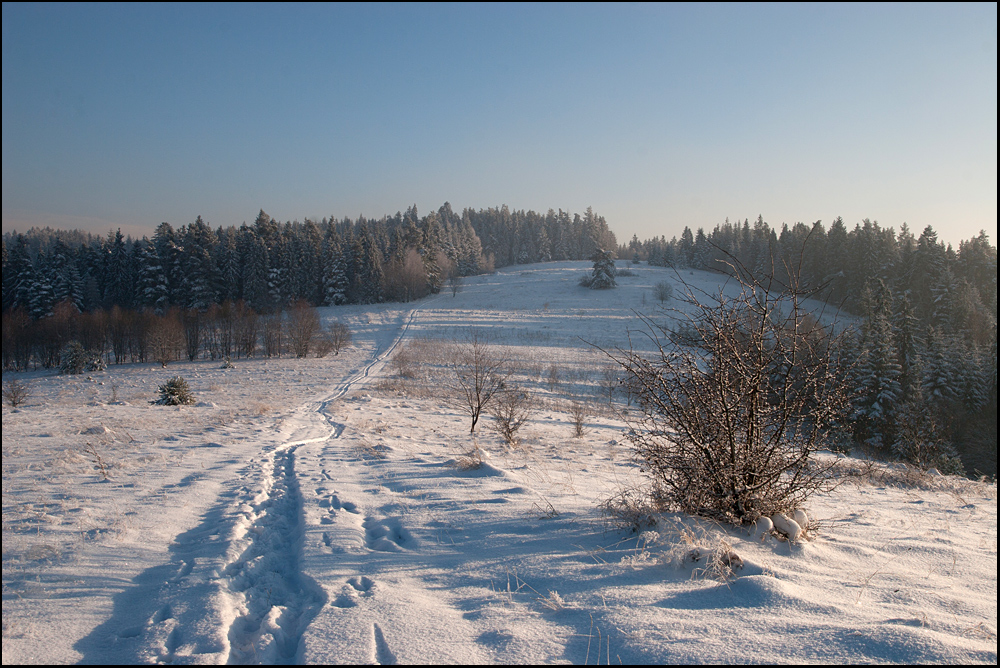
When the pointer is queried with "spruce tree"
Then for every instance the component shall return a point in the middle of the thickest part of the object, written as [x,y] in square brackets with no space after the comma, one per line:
[200,274]
[151,282]
[40,297]
[602,276]
[878,373]
[64,275]
[117,287]
[335,280]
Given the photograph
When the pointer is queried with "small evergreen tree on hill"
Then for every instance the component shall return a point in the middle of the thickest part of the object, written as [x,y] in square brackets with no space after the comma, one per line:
[603,275]
[175,392]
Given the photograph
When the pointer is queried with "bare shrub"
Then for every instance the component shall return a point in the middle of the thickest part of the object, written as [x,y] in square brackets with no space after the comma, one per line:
[302,323]
[166,338]
[553,378]
[273,335]
[247,329]
[339,336]
[578,412]
[663,291]
[510,409]
[403,363]
[322,347]
[406,278]
[99,464]
[729,429]
[470,460]
[610,380]
[455,283]
[193,322]
[629,509]
[480,371]
[15,392]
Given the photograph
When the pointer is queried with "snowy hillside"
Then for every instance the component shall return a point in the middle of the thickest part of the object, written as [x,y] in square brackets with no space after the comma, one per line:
[332,511]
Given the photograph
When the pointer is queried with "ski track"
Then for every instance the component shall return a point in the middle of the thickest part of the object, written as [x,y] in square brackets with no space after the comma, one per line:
[278,600]
[234,591]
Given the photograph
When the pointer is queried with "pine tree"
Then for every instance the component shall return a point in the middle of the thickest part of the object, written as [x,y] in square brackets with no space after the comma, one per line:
[40,298]
[335,280]
[922,440]
[372,278]
[151,287]
[943,299]
[230,270]
[65,275]
[200,275]
[254,267]
[430,245]
[939,372]
[118,288]
[543,246]
[928,262]
[878,373]
[277,275]
[603,275]
[905,332]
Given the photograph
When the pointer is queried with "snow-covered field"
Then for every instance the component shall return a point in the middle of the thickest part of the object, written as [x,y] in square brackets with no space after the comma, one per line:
[323,511]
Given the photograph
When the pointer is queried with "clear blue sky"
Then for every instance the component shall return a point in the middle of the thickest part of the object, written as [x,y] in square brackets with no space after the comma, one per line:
[657,116]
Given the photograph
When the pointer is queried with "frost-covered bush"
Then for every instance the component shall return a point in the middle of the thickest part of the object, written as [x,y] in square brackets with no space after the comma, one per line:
[175,392]
[663,291]
[510,410]
[730,428]
[15,392]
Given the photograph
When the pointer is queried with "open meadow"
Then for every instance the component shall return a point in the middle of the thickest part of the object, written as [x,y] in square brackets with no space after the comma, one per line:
[337,510]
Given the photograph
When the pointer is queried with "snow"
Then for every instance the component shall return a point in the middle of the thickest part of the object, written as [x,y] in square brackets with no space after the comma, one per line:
[789,528]
[325,511]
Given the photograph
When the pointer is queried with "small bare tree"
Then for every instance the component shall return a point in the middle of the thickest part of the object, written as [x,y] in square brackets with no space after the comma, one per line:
[729,428]
[578,411]
[511,408]
[553,378]
[454,282]
[663,291]
[272,335]
[610,380]
[339,335]
[166,338]
[332,339]
[15,392]
[481,371]
[302,322]
[403,363]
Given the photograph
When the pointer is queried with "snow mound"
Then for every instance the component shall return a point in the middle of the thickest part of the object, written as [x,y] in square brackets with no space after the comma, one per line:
[787,526]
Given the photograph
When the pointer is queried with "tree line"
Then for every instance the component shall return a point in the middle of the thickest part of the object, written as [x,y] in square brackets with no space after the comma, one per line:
[220,292]
[925,347]
[269,264]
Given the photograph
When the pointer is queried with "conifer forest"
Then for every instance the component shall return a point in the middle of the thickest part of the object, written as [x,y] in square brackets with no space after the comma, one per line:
[922,350]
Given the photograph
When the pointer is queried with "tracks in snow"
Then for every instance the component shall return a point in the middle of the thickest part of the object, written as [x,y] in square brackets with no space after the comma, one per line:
[276,600]
[233,590]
